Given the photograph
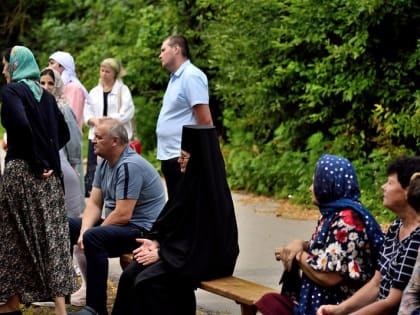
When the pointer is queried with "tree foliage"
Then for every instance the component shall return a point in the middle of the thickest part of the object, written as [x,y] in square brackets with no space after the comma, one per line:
[289,80]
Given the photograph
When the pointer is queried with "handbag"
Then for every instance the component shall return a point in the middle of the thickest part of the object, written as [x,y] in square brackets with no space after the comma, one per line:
[283,303]
[291,281]
[135,145]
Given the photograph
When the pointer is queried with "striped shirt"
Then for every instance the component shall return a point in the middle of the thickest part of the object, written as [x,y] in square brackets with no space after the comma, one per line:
[397,259]
[131,177]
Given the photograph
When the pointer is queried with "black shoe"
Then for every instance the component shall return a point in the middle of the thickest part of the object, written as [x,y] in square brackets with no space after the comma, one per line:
[86,310]
[12,313]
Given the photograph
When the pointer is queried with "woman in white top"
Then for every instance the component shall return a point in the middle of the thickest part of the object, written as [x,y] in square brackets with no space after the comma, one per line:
[110,98]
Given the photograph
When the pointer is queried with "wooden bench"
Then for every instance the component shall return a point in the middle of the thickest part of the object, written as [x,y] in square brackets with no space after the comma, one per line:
[125,260]
[241,291]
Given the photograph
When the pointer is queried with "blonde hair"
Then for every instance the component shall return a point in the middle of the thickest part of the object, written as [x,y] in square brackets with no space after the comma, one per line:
[115,65]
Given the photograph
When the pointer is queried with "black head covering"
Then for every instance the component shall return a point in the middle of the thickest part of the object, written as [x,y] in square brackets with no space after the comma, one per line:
[197,228]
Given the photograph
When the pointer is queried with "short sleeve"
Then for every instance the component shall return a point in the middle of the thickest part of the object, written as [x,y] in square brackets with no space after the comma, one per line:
[346,248]
[97,179]
[196,88]
[129,183]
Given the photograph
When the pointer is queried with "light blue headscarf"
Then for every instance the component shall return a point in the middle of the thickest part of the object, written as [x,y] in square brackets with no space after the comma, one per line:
[23,68]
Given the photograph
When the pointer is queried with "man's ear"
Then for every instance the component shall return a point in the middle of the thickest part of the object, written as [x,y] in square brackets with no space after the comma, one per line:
[115,141]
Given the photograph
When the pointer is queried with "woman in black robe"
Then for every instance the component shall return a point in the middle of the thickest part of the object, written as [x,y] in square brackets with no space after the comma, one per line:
[195,237]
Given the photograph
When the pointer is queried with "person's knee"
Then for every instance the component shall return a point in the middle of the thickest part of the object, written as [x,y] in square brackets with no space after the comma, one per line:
[92,239]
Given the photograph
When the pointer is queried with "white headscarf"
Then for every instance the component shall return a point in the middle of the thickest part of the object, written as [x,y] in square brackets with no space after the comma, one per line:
[69,72]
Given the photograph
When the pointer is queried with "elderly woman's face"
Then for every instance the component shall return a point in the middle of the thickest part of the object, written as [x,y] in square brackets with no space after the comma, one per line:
[47,82]
[311,189]
[394,195]
[183,160]
[6,71]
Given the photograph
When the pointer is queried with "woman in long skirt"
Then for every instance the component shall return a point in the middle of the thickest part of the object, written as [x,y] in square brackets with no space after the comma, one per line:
[35,248]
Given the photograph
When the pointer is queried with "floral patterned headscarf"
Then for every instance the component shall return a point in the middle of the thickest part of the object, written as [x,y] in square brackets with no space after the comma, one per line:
[23,68]
[335,178]
[336,188]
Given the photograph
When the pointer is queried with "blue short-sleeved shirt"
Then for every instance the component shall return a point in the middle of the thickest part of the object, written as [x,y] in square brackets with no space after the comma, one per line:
[132,177]
[187,87]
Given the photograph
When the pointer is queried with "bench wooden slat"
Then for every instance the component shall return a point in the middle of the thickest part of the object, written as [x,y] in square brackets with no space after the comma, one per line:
[240,290]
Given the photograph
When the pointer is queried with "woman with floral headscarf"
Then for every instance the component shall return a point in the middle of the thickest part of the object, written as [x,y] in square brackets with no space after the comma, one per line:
[382,294]
[35,249]
[343,251]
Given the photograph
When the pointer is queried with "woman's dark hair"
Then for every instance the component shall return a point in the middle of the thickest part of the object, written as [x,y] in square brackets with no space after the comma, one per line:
[49,72]
[6,54]
[404,167]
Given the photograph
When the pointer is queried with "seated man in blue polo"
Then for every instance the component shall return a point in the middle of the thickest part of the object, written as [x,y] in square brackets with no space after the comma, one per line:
[130,191]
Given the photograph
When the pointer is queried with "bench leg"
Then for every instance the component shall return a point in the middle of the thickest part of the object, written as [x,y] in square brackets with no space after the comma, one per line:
[247,310]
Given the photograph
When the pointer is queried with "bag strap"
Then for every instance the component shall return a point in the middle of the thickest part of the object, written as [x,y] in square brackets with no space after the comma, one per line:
[119,98]
[118,110]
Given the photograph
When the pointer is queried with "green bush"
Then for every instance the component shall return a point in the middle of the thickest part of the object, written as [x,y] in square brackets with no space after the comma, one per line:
[289,80]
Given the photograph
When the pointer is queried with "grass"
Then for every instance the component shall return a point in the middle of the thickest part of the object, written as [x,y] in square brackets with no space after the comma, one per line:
[112,290]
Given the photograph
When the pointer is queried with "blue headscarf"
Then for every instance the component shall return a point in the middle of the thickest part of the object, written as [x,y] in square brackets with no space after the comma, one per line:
[336,188]
[23,68]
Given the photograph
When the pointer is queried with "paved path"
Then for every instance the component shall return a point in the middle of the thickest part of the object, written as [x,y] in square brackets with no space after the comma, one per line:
[260,231]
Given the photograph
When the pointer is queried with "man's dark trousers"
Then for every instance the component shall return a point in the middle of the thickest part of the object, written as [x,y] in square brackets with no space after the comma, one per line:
[100,243]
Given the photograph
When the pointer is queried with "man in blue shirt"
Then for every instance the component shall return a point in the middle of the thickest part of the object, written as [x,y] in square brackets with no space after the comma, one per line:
[129,191]
[186,102]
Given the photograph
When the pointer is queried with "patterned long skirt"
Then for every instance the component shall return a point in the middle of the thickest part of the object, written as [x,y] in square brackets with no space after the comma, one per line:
[35,260]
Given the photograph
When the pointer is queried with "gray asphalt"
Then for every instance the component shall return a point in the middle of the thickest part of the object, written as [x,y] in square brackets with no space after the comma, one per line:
[260,231]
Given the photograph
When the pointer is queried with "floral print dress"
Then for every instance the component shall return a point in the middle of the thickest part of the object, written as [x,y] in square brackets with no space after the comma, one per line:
[346,250]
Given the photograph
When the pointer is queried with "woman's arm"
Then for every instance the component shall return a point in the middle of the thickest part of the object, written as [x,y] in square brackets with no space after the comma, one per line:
[325,279]
[76,98]
[287,254]
[387,306]
[364,296]
[93,107]
[126,111]
[73,147]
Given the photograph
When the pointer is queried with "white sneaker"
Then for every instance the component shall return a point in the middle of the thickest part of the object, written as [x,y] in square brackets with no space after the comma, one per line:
[78,298]
[44,304]
[77,270]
